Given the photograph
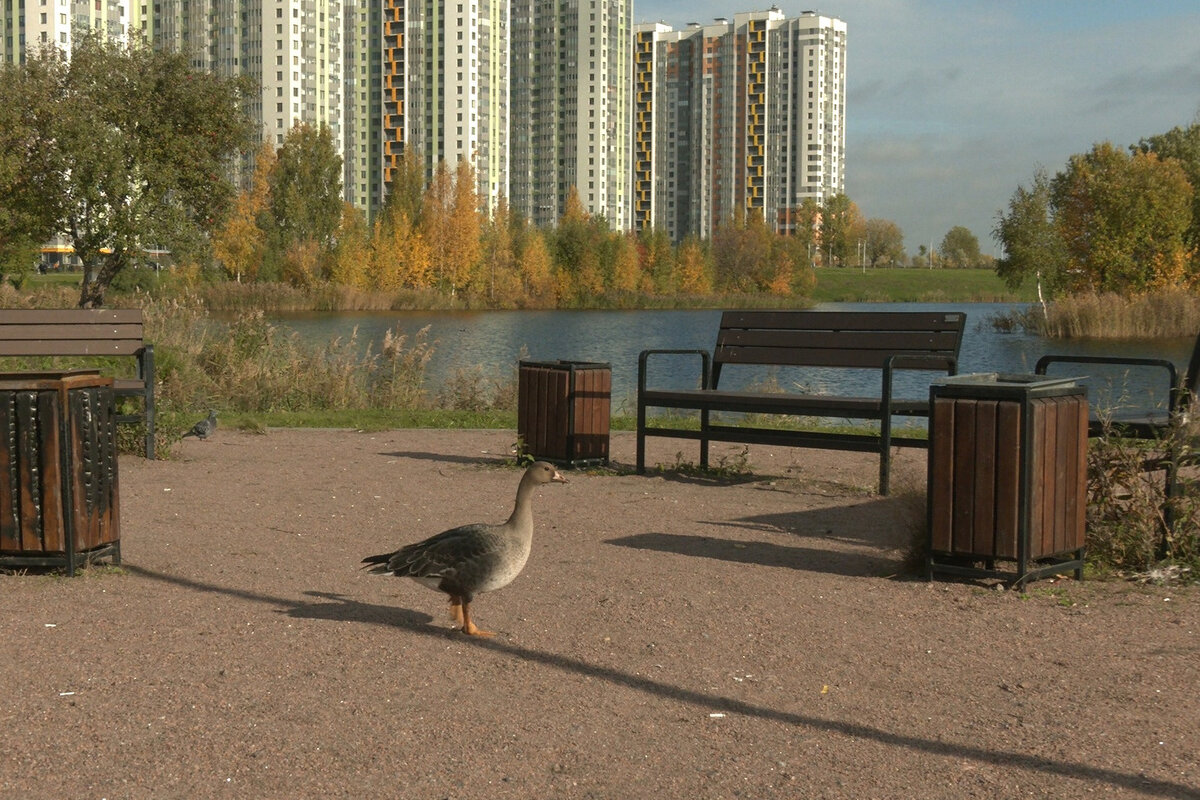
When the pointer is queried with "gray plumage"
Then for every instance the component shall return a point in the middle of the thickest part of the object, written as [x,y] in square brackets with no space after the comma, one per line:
[204,428]
[472,559]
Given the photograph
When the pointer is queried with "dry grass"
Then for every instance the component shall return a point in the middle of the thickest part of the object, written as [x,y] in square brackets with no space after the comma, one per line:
[1152,316]
[251,365]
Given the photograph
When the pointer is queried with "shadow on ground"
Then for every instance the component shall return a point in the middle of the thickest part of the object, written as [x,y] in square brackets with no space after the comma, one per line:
[333,607]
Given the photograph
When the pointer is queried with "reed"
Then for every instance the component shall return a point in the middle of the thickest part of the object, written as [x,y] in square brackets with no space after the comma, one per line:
[251,365]
[1160,315]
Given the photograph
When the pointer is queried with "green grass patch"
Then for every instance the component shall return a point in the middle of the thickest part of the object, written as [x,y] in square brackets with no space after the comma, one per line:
[371,419]
[897,285]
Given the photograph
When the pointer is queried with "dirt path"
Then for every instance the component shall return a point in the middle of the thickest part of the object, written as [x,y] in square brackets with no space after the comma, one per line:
[671,637]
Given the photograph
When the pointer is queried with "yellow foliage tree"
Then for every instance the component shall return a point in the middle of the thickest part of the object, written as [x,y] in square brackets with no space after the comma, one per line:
[401,256]
[240,244]
[434,224]
[627,268]
[781,281]
[302,263]
[353,251]
[496,277]
[695,276]
[462,247]
[534,266]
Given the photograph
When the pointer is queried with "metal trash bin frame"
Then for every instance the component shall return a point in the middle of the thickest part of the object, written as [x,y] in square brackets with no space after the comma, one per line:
[563,411]
[59,493]
[1011,406]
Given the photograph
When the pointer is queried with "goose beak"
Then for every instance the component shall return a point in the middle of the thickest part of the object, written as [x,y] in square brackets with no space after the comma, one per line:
[557,476]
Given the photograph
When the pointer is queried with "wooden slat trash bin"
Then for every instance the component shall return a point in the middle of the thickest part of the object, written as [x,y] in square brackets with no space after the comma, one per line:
[1007,476]
[58,469]
[563,410]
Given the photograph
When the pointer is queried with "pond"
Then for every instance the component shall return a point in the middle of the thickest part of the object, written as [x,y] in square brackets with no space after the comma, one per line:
[494,341]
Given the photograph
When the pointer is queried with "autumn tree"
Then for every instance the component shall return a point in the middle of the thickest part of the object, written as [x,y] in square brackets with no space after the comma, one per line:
[1183,146]
[400,255]
[960,249]
[463,248]
[131,152]
[497,280]
[351,256]
[1123,218]
[434,222]
[535,266]
[627,267]
[741,252]
[657,262]
[693,270]
[884,242]
[240,244]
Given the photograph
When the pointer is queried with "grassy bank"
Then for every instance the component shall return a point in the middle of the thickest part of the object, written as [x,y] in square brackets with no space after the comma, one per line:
[833,285]
[914,286]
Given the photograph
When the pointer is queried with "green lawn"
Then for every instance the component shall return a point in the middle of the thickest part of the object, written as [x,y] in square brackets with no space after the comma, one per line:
[851,284]
[56,279]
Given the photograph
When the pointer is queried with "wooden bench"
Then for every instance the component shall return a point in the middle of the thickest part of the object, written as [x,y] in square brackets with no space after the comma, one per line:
[883,342]
[1152,424]
[91,333]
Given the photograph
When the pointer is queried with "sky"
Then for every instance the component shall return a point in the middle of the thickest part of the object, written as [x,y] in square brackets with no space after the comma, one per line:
[951,105]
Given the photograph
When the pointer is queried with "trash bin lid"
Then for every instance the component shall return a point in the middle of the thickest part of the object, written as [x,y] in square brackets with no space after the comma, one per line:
[1006,384]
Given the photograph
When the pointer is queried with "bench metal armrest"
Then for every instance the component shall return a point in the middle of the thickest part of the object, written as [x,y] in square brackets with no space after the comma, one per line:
[705,365]
[1178,393]
[911,361]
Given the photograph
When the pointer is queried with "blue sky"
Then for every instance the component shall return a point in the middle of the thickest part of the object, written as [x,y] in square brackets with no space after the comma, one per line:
[952,105]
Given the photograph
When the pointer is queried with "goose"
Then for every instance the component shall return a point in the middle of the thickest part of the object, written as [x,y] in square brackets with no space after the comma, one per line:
[204,428]
[472,559]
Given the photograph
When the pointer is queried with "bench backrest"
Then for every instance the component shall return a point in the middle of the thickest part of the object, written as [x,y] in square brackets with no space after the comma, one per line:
[71,332]
[863,339]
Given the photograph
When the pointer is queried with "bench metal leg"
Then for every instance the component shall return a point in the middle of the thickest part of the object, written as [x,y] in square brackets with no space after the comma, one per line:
[704,439]
[146,373]
[885,456]
[640,466]
[150,427]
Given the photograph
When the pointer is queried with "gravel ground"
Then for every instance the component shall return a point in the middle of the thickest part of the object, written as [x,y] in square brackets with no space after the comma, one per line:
[671,637]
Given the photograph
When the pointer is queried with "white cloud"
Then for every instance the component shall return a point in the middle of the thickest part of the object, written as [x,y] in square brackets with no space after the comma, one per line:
[952,105]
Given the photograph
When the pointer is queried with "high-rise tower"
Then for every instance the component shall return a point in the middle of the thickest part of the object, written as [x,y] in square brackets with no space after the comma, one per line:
[748,114]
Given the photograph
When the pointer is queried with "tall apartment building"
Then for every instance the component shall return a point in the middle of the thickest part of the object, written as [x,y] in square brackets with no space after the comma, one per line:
[746,114]
[445,87]
[33,24]
[292,49]
[571,100]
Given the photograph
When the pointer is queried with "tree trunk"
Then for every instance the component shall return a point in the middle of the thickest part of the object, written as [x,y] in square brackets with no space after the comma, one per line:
[91,294]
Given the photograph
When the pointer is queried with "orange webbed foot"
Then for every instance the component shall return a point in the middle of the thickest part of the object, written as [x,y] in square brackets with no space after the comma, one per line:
[473,631]
[468,627]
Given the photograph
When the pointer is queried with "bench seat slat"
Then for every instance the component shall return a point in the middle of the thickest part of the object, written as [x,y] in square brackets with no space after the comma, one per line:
[780,403]
[70,347]
[864,359]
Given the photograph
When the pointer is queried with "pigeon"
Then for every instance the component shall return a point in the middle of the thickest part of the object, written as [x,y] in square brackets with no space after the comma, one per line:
[472,559]
[204,428]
